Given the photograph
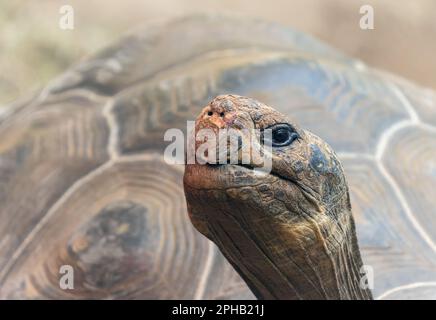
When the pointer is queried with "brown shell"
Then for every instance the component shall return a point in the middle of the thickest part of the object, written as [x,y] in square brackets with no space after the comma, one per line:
[83,181]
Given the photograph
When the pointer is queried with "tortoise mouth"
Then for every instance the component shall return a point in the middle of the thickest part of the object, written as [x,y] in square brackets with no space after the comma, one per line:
[224,176]
[230,176]
[227,176]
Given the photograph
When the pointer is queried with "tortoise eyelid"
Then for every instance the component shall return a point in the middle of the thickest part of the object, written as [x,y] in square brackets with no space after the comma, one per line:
[279,125]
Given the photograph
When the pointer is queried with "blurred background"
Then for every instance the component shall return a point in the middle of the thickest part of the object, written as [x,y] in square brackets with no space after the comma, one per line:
[33,49]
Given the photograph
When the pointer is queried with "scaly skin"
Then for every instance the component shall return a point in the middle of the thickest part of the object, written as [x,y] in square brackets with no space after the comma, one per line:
[290,233]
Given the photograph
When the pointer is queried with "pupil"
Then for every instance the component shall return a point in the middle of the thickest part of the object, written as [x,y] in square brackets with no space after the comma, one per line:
[281,135]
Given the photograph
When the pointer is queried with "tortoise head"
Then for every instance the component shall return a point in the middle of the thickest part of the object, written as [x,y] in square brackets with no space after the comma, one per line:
[288,231]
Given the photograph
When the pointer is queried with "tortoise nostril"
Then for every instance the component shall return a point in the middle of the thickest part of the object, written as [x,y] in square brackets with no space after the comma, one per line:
[222,114]
[210,113]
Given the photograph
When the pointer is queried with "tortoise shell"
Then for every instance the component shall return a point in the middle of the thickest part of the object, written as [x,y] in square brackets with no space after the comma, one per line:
[83,181]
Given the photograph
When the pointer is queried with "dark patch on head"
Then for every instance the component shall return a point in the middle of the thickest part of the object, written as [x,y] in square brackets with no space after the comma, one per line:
[241,177]
[227,105]
[279,194]
[264,188]
[298,166]
[256,116]
[253,103]
[318,161]
[266,191]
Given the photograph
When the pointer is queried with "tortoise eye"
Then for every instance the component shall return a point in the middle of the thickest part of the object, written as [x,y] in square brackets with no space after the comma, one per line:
[282,135]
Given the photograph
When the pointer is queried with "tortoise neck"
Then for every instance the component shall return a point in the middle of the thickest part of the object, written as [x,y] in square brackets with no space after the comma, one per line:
[286,267]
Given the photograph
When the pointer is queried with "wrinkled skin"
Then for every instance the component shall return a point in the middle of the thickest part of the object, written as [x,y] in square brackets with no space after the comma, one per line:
[290,232]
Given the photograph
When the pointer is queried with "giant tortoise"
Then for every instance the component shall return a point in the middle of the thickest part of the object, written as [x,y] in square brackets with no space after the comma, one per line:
[83,182]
